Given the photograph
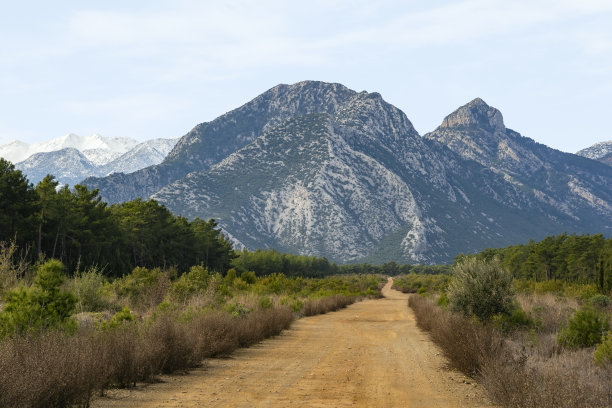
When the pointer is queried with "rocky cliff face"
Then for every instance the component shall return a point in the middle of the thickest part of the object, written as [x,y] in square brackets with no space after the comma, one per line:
[316,168]
[579,188]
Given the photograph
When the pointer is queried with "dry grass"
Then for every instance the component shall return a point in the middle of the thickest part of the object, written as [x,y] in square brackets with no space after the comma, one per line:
[326,304]
[523,370]
[56,370]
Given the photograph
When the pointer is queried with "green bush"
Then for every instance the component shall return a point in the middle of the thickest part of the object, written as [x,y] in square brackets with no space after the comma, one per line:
[584,329]
[43,306]
[230,277]
[442,301]
[249,277]
[190,283]
[265,303]
[88,287]
[517,319]
[124,315]
[603,352]
[599,300]
[480,288]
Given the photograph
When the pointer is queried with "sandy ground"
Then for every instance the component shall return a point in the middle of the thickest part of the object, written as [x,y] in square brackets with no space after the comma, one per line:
[370,354]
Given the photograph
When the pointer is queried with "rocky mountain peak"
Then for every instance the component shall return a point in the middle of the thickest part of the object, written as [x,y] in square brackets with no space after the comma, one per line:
[476,113]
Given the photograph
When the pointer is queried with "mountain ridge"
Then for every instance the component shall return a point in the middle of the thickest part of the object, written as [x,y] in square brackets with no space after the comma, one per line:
[319,169]
[70,165]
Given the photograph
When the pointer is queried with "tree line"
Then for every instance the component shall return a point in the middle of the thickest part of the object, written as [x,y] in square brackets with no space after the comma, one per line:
[571,258]
[78,228]
[75,226]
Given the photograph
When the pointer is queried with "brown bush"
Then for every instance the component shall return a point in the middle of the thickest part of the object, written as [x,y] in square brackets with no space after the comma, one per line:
[466,343]
[56,370]
[326,304]
[515,375]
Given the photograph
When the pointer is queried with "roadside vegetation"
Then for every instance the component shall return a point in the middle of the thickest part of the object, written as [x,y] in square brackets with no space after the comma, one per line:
[65,339]
[533,340]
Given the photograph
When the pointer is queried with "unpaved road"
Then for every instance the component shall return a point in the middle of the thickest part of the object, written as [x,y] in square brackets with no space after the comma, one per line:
[370,354]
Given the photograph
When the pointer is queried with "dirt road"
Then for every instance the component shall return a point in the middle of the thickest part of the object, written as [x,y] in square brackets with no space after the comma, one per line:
[369,355]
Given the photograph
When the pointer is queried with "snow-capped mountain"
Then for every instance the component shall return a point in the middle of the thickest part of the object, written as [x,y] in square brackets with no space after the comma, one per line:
[70,165]
[601,151]
[140,156]
[99,149]
[319,169]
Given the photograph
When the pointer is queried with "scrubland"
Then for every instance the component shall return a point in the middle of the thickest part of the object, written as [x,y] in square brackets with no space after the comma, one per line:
[65,339]
[531,344]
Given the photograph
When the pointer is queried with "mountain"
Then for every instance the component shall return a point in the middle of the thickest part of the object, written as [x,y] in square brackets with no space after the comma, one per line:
[601,151]
[140,156]
[70,166]
[317,168]
[98,149]
[210,142]
[577,187]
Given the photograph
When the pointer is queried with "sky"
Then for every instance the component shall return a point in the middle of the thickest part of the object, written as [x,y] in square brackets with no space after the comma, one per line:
[148,69]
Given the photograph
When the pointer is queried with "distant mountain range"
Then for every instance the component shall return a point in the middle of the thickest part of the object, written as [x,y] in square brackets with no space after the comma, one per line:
[601,151]
[317,168]
[72,158]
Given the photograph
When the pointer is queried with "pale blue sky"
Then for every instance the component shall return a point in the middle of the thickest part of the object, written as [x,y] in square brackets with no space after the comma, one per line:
[157,68]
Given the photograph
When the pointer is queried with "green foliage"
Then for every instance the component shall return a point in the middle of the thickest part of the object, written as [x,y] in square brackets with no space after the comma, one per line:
[267,262]
[78,228]
[124,315]
[43,306]
[194,281]
[142,285]
[18,205]
[585,259]
[413,282]
[584,329]
[443,301]
[517,319]
[600,301]
[480,288]
[230,277]
[88,287]
[248,277]
[265,303]
[602,355]
[238,310]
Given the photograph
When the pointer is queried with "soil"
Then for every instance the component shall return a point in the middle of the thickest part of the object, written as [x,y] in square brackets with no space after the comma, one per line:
[370,354]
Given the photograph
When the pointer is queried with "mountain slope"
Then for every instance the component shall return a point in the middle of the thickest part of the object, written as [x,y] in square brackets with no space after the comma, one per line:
[601,151]
[361,184]
[316,168]
[580,188]
[68,165]
[210,142]
[71,166]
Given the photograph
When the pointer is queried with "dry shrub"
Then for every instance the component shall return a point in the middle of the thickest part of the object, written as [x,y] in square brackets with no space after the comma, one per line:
[51,370]
[515,375]
[566,380]
[326,304]
[466,343]
[56,370]
[550,311]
